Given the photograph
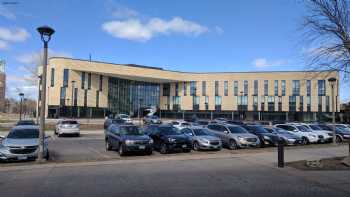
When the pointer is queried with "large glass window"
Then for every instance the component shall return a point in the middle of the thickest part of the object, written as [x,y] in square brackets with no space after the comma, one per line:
[176,103]
[65,77]
[166,89]
[255,103]
[218,102]
[256,87]
[308,103]
[292,103]
[62,96]
[283,87]
[280,103]
[235,88]
[301,103]
[245,87]
[97,98]
[321,87]
[320,103]
[242,103]
[204,88]
[327,104]
[216,88]
[52,77]
[271,103]
[225,88]
[82,80]
[276,87]
[89,81]
[196,102]
[296,87]
[266,87]
[193,88]
[185,88]
[308,87]
[75,96]
[85,98]
[206,102]
[101,83]
[176,89]
[262,104]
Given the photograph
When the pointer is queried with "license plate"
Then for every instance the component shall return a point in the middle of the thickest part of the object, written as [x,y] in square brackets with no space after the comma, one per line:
[184,146]
[22,157]
[142,147]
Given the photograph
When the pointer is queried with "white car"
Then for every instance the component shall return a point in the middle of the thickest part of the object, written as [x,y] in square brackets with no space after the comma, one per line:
[305,134]
[124,117]
[180,124]
[67,127]
[323,135]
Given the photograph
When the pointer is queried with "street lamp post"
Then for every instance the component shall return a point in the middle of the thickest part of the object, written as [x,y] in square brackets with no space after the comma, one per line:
[45,34]
[73,83]
[21,95]
[332,82]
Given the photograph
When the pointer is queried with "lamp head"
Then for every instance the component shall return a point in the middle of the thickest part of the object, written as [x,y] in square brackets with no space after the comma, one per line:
[45,33]
[332,80]
[21,94]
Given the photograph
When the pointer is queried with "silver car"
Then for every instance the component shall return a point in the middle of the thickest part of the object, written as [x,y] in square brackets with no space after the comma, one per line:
[21,143]
[67,127]
[202,139]
[234,136]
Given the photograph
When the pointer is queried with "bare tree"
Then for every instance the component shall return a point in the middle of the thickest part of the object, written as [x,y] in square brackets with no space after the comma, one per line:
[326,29]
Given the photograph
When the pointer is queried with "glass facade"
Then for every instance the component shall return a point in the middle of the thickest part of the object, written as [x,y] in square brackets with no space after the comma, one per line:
[245,87]
[89,81]
[296,87]
[283,87]
[82,80]
[256,87]
[185,88]
[276,88]
[52,77]
[204,88]
[225,88]
[65,77]
[235,88]
[321,87]
[266,87]
[216,88]
[308,88]
[101,83]
[193,88]
[126,96]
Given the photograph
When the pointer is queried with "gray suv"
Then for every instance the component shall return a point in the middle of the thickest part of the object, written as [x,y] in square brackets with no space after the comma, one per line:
[234,136]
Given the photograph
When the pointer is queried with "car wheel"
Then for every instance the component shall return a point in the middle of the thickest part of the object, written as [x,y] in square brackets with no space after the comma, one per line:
[196,146]
[108,146]
[77,135]
[304,141]
[149,152]
[121,150]
[163,148]
[187,150]
[338,139]
[232,145]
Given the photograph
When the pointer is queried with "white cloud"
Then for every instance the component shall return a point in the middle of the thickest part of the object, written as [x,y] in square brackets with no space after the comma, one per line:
[4,12]
[134,29]
[35,58]
[123,12]
[14,35]
[263,63]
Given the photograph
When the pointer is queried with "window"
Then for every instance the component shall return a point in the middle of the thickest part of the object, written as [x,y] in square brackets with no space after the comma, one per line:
[65,77]
[292,103]
[206,103]
[193,88]
[97,98]
[255,103]
[301,103]
[166,89]
[101,82]
[321,87]
[283,86]
[89,81]
[196,103]
[320,103]
[85,98]
[62,96]
[266,87]
[242,103]
[296,87]
[262,103]
[75,96]
[245,87]
[235,88]
[176,103]
[308,103]
[185,88]
[308,87]
[52,77]
[327,104]
[204,88]
[217,103]
[280,103]
[271,103]
[225,88]
[176,89]
[256,87]
[276,87]
[82,80]
[216,88]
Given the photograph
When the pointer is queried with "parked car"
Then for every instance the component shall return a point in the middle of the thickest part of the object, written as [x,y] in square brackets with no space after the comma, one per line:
[233,136]
[110,121]
[342,134]
[22,143]
[167,138]
[202,139]
[67,127]
[124,117]
[266,138]
[25,122]
[305,134]
[152,120]
[127,138]
[201,123]
[180,124]
[323,135]
[220,120]
[234,122]
[287,138]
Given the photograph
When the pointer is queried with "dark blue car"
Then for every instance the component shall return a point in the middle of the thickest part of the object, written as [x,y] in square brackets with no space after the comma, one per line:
[127,138]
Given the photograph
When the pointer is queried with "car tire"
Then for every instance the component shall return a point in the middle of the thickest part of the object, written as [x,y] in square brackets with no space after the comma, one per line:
[304,141]
[121,150]
[77,135]
[149,152]
[232,145]
[108,146]
[338,139]
[186,150]
[196,146]
[163,149]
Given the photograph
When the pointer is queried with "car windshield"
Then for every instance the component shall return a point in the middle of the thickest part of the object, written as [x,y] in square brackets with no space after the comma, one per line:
[153,117]
[258,129]
[169,131]
[123,116]
[23,134]
[315,127]
[341,126]
[303,128]
[69,122]
[25,122]
[325,127]
[130,130]
[281,131]
[237,130]
[200,132]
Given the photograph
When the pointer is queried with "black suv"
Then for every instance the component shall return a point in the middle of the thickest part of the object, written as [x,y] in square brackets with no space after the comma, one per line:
[266,138]
[127,138]
[167,138]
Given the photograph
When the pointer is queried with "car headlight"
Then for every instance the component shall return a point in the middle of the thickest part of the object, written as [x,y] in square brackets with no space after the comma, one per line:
[266,137]
[313,135]
[204,141]
[171,139]
[150,141]
[240,138]
[129,142]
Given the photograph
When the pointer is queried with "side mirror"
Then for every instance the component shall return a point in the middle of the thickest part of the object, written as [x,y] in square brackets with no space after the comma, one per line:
[226,132]
[2,137]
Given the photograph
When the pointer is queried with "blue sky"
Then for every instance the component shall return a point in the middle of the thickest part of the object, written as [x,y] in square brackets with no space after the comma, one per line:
[197,35]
